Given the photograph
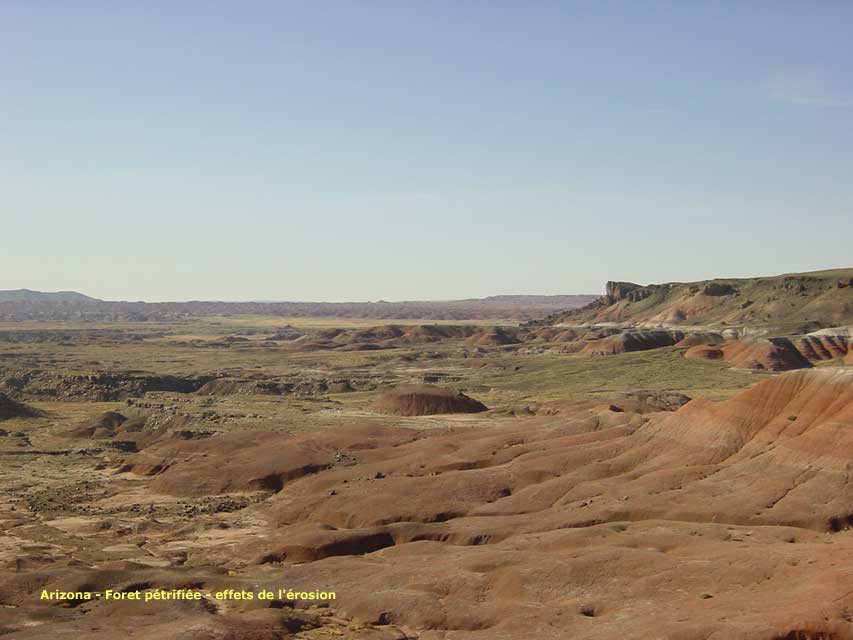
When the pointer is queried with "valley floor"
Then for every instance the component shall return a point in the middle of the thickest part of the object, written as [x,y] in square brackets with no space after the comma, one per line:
[633,495]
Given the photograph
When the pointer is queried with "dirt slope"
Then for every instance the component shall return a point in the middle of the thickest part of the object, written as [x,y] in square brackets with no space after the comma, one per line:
[777,354]
[11,408]
[718,520]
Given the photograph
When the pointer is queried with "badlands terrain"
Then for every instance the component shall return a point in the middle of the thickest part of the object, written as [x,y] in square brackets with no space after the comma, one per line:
[668,461]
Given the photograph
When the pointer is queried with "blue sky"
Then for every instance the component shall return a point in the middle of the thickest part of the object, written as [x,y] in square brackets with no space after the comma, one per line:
[419,150]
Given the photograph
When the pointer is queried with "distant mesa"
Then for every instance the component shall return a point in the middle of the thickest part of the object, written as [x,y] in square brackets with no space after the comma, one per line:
[426,400]
[817,299]
[773,323]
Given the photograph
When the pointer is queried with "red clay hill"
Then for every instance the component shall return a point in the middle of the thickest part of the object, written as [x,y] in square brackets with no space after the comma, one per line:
[425,400]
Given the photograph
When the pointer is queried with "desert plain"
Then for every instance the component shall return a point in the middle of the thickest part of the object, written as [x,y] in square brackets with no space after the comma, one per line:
[664,461]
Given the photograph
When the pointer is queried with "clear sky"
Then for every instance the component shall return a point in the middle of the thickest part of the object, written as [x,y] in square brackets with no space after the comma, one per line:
[336,150]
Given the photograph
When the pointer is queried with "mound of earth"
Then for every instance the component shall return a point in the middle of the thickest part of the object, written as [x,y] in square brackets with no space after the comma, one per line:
[371,335]
[770,355]
[631,341]
[701,338]
[492,337]
[556,334]
[102,426]
[10,408]
[425,400]
[423,334]
[237,386]
[704,352]
[650,401]
[825,344]
[130,434]
[760,355]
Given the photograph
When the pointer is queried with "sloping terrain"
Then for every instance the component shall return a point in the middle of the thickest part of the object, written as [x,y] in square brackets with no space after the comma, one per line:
[776,323]
[617,487]
[818,299]
[770,355]
[525,529]
[11,408]
[599,518]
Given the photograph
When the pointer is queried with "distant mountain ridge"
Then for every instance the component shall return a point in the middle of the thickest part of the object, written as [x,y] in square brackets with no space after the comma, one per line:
[28,295]
[25,305]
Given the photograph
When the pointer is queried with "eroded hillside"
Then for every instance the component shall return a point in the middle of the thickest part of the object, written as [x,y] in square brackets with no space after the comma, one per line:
[813,300]
[443,481]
